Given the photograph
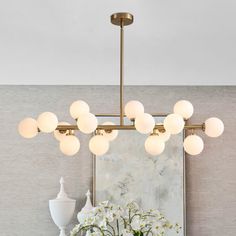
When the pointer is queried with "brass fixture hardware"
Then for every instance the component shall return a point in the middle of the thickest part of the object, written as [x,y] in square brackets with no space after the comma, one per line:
[70,132]
[122,18]
[125,127]
[139,120]
[98,132]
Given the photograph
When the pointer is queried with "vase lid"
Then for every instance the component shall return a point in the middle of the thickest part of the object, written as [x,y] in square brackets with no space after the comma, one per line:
[88,205]
[62,195]
[86,210]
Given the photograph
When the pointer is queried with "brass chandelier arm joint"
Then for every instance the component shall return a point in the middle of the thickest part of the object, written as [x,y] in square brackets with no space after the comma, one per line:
[155,131]
[71,132]
[98,132]
[203,127]
[195,126]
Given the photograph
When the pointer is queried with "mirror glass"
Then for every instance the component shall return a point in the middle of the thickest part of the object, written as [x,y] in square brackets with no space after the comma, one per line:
[127,172]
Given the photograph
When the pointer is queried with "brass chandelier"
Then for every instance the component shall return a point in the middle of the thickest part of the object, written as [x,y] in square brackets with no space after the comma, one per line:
[144,123]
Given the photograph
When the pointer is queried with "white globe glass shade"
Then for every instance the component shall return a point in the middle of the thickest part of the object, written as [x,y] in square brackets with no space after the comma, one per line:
[69,145]
[193,145]
[165,136]
[28,128]
[47,122]
[57,133]
[78,108]
[174,123]
[154,145]
[184,108]
[98,145]
[144,123]
[87,123]
[109,135]
[214,127]
[133,109]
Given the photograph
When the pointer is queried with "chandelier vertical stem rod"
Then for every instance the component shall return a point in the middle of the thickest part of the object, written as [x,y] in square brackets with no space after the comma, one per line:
[121,72]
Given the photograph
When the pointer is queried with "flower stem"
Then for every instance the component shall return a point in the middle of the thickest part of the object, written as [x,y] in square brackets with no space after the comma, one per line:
[117,225]
[113,230]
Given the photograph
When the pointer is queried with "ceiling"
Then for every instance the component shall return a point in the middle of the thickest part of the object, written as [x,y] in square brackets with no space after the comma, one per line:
[171,42]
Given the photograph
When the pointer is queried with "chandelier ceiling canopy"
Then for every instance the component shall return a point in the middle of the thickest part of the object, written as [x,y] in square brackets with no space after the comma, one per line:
[86,122]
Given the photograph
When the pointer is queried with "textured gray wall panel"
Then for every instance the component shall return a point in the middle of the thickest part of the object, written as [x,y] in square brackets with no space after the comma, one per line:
[30,169]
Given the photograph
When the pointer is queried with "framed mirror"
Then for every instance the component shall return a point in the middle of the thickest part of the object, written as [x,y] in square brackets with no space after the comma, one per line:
[127,172]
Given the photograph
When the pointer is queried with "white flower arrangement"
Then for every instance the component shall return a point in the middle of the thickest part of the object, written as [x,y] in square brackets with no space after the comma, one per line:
[112,220]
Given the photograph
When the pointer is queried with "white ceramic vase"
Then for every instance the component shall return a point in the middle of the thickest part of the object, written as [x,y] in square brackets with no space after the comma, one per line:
[86,210]
[62,209]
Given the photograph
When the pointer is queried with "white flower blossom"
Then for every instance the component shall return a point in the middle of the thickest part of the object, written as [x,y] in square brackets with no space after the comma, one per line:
[103,224]
[108,219]
[133,206]
[75,230]
[109,216]
[135,224]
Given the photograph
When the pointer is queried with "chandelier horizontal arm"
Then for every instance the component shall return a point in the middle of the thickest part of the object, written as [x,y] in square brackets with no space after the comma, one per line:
[127,127]
[118,115]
